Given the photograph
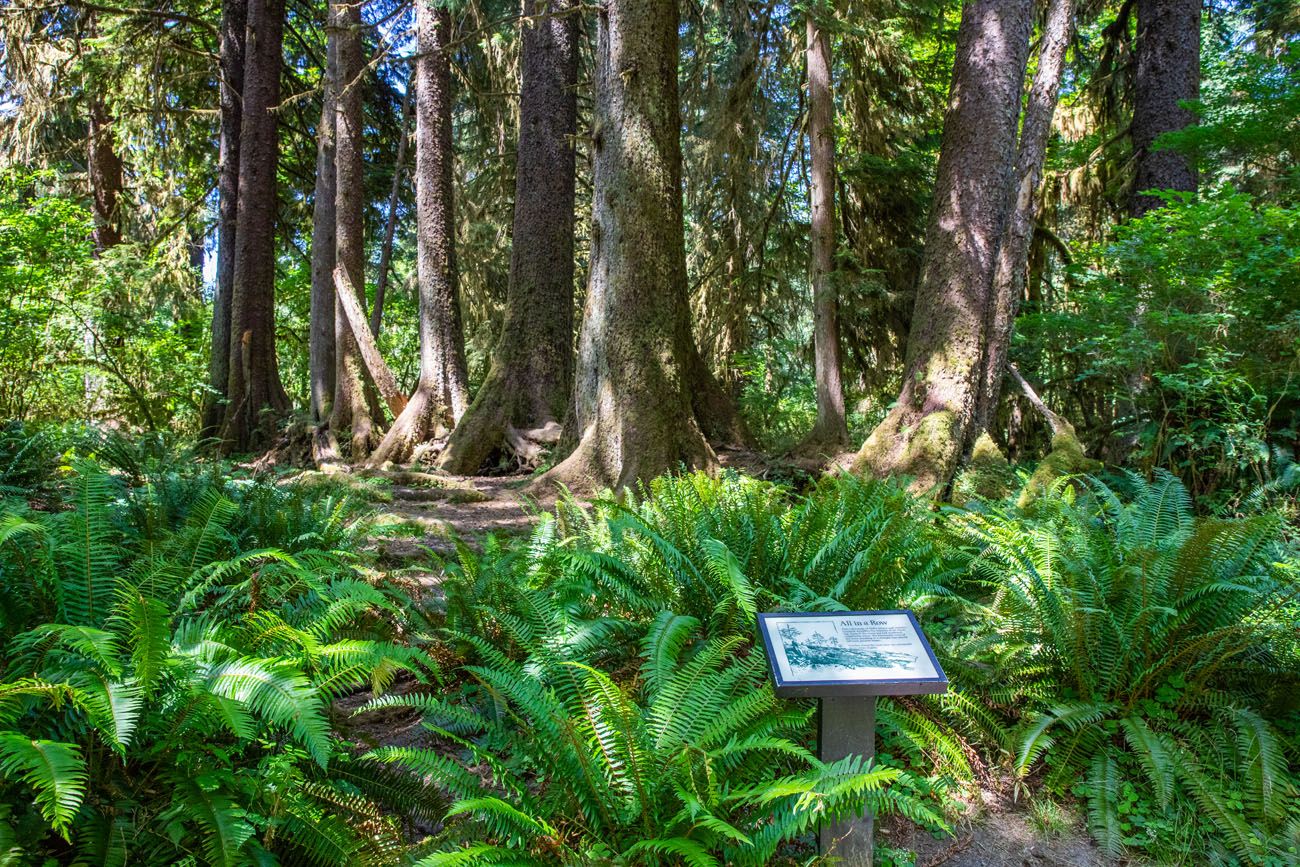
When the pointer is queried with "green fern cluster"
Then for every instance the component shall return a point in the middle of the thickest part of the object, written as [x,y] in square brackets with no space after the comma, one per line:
[1143,649]
[687,759]
[602,607]
[722,549]
[165,692]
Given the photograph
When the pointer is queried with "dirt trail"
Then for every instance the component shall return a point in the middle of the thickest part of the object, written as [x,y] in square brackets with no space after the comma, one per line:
[443,509]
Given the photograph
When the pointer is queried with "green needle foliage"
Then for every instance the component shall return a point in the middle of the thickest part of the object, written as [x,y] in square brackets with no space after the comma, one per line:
[1147,649]
[165,691]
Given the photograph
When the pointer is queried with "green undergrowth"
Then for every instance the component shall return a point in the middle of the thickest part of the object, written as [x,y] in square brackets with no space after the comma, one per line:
[173,642]
[177,638]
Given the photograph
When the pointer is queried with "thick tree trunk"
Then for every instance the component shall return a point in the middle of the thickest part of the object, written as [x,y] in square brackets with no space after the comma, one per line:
[256,397]
[441,396]
[351,410]
[234,21]
[1168,72]
[925,431]
[530,382]
[641,385]
[830,429]
[104,169]
[321,346]
[1013,255]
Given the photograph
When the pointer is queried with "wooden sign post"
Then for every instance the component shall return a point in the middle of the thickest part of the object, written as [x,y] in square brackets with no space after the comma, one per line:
[846,659]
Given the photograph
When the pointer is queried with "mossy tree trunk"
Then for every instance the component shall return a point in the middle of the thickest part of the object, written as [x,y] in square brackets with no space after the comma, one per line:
[234,23]
[1168,73]
[320,338]
[523,400]
[830,431]
[351,410]
[643,398]
[256,398]
[1013,255]
[926,430]
[442,393]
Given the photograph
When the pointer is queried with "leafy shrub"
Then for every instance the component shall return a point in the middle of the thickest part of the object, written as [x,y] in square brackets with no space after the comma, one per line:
[120,335]
[1143,646]
[171,688]
[1199,301]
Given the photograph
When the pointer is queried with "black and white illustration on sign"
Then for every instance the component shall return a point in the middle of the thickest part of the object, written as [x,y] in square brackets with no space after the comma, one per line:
[848,647]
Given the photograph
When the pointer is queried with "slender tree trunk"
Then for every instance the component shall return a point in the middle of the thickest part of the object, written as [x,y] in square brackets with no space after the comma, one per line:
[641,384]
[925,431]
[1168,72]
[831,429]
[530,381]
[390,223]
[257,399]
[441,396]
[234,21]
[321,345]
[1013,254]
[104,168]
[351,410]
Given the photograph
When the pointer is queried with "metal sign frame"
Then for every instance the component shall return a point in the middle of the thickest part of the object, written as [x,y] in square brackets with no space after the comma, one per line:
[838,688]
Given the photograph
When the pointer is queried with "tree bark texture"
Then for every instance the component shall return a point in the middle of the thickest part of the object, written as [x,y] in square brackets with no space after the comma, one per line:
[376,368]
[234,21]
[830,428]
[529,383]
[638,374]
[104,168]
[1013,254]
[924,433]
[256,398]
[351,409]
[321,346]
[441,396]
[1168,72]
[390,223]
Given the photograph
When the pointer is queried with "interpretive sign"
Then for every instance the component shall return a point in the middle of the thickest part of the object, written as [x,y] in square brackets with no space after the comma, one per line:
[850,653]
[846,659]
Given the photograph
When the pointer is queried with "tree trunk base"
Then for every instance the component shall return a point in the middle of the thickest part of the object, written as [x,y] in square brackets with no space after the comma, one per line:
[419,422]
[500,424]
[618,458]
[925,447]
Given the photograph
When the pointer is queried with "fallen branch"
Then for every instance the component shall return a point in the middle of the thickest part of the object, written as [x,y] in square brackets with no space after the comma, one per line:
[1054,421]
[379,371]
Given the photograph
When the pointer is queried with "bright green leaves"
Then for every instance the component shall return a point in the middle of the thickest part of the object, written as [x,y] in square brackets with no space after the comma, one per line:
[56,772]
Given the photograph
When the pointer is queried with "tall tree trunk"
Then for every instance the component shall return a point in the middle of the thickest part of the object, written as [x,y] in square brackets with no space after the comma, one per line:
[256,397]
[924,432]
[641,384]
[321,346]
[234,22]
[390,223]
[530,381]
[441,396]
[351,410]
[830,429]
[1013,255]
[104,169]
[1168,72]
